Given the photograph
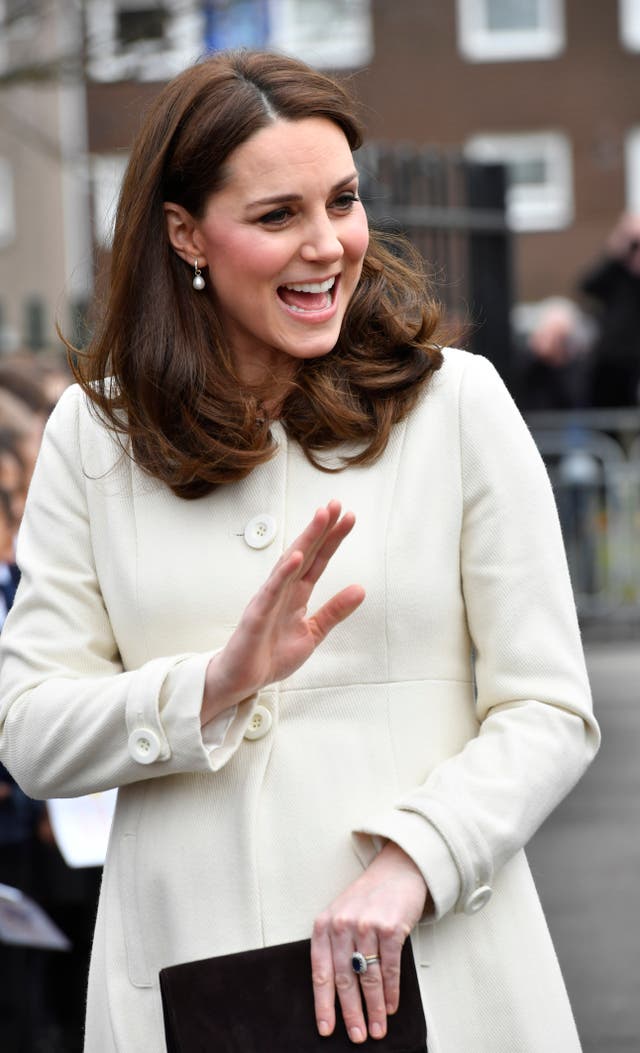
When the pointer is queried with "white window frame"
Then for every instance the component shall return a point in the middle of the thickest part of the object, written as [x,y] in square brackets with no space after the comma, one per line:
[297,27]
[142,60]
[632,169]
[309,30]
[630,24]
[23,38]
[107,173]
[478,43]
[532,207]
[7,205]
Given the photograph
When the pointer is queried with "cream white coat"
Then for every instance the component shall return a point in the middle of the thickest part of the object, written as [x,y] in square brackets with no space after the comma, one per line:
[451,713]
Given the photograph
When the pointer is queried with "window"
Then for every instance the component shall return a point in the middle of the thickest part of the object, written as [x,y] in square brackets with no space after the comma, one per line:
[15,10]
[107,174]
[329,33]
[139,24]
[144,39]
[630,24]
[23,24]
[539,176]
[504,30]
[334,34]
[632,159]
[7,205]
[35,323]
[150,40]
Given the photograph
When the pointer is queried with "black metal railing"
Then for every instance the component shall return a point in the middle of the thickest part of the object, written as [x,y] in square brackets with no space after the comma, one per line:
[453,211]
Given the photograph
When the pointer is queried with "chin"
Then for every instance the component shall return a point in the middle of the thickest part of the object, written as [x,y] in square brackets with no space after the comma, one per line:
[315,348]
[313,352]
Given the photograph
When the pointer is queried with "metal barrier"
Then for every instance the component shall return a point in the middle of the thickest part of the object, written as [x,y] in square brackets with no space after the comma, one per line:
[593,459]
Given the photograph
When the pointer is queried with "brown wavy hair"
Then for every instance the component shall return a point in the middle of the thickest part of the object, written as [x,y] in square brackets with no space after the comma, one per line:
[159,370]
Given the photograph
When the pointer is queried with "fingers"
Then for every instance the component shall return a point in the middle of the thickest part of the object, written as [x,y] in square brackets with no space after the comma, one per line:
[331,952]
[286,569]
[378,986]
[366,998]
[391,943]
[310,553]
[347,982]
[322,975]
[374,916]
[328,547]
[316,532]
[372,985]
[321,539]
[335,610]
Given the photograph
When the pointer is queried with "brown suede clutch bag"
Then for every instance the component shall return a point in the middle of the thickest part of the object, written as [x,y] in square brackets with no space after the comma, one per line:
[261,1001]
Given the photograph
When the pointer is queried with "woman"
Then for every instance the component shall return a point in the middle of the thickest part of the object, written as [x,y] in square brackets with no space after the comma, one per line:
[261,357]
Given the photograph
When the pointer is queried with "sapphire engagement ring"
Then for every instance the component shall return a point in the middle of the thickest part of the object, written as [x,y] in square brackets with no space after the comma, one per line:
[360,962]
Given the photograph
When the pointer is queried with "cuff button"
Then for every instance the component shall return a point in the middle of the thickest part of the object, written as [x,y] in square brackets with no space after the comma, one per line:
[144,745]
[259,724]
[477,900]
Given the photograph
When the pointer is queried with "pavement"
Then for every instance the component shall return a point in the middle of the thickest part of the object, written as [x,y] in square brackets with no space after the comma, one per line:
[586,864]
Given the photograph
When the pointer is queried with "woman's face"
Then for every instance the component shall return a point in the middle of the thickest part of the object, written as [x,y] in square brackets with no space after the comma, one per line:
[284,241]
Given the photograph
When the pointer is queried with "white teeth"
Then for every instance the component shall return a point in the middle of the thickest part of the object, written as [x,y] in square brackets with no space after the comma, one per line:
[312,287]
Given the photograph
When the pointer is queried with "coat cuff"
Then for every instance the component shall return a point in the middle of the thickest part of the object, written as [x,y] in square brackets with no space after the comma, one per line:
[423,844]
[181,706]
[164,713]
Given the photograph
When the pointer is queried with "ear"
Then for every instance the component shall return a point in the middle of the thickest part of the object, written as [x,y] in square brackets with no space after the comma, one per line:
[184,234]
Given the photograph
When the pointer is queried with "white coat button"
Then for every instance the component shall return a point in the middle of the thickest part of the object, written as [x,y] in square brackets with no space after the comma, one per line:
[260,723]
[478,899]
[144,745]
[260,531]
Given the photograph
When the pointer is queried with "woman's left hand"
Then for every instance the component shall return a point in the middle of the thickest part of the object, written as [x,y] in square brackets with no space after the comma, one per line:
[374,915]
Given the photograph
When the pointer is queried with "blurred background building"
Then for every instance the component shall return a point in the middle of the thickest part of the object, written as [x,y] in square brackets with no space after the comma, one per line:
[546,87]
[503,136]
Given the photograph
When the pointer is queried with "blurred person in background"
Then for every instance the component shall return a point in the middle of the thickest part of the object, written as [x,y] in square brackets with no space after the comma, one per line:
[55,374]
[38,379]
[554,364]
[23,1015]
[9,575]
[21,377]
[41,1003]
[24,409]
[26,427]
[261,356]
[613,286]
[13,475]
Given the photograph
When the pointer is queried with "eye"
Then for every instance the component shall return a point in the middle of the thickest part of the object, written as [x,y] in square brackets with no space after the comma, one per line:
[346,201]
[275,218]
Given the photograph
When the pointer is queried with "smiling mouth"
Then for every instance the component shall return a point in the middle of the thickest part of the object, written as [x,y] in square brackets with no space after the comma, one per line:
[308,297]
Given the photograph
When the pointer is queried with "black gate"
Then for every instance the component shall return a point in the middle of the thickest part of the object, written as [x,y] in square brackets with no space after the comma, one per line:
[453,211]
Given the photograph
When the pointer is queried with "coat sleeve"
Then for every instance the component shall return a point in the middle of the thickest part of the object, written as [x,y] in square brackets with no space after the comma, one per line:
[603,279]
[537,733]
[72,719]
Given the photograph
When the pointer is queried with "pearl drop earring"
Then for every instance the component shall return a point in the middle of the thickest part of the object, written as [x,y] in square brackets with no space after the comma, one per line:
[198,280]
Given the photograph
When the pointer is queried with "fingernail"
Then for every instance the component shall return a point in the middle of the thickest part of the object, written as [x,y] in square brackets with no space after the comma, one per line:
[377,1030]
[324,1028]
[356,1034]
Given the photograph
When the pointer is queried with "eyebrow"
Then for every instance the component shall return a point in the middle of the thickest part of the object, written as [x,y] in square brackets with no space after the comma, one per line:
[277,198]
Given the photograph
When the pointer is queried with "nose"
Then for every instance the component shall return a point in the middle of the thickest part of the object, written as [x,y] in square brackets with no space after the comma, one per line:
[321,241]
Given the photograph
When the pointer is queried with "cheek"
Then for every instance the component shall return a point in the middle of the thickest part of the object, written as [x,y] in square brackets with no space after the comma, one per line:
[256,258]
[356,241]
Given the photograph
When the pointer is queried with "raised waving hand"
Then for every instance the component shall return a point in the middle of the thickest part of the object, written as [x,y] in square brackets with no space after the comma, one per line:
[275,634]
